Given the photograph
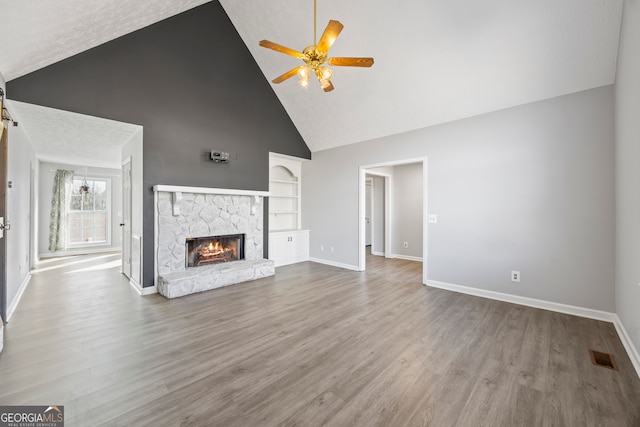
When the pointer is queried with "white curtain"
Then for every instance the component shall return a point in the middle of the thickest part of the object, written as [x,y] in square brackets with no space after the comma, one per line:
[62,183]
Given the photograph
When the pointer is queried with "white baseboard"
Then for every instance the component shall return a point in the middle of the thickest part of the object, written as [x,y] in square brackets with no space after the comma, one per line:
[80,251]
[334,264]
[376,253]
[407,257]
[14,304]
[530,302]
[632,351]
[143,291]
[552,306]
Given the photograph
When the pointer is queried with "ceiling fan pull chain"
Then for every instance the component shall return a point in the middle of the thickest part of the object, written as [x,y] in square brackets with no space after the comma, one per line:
[315,20]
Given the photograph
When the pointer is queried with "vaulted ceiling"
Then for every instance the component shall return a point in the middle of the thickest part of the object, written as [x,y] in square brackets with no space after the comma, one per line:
[435,60]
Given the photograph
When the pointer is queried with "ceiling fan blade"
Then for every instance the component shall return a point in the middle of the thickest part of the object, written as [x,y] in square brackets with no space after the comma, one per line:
[350,62]
[329,36]
[287,75]
[282,49]
[328,87]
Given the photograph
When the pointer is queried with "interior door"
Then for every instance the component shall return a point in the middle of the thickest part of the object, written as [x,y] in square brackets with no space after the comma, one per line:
[3,219]
[126,218]
[367,214]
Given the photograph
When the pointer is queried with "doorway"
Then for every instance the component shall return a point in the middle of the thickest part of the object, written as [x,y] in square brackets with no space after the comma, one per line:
[385,170]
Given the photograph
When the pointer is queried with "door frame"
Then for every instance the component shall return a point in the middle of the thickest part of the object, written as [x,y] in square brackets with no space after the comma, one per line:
[369,189]
[128,243]
[4,144]
[389,212]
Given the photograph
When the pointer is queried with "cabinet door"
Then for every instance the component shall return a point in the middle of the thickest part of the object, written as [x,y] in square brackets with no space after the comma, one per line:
[279,247]
[300,246]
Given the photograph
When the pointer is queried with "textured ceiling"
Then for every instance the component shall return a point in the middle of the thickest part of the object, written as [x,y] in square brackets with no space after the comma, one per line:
[62,137]
[37,33]
[436,60]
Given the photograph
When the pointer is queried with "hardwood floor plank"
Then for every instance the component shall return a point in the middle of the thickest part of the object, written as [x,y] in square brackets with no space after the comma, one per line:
[313,345]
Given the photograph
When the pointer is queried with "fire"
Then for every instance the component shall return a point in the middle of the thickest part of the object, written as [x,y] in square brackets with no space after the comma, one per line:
[214,251]
[217,247]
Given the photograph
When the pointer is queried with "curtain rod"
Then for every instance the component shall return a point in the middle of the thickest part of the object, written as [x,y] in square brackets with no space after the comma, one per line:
[90,174]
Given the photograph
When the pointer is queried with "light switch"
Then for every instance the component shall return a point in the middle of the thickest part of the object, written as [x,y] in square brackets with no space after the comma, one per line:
[433,219]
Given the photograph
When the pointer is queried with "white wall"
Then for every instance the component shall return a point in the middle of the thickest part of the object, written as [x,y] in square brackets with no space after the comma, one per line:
[529,188]
[2,83]
[21,158]
[407,210]
[627,130]
[45,186]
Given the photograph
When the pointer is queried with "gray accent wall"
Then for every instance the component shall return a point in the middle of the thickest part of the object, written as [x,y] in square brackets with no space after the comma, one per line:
[193,85]
[627,130]
[529,188]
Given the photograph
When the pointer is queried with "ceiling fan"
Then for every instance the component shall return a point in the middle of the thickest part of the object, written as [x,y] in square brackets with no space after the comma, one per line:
[315,57]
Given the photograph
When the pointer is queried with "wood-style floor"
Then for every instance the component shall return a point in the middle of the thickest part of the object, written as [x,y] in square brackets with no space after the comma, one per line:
[314,345]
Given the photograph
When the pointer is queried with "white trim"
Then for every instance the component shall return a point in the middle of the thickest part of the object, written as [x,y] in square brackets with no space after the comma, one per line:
[632,351]
[156,227]
[588,313]
[529,302]
[334,264]
[407,257]
[376,253]
[206,190]
[16,300]
[149,290]
[82,250]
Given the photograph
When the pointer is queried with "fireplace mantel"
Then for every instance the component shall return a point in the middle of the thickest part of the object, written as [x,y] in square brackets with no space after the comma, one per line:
[206,190]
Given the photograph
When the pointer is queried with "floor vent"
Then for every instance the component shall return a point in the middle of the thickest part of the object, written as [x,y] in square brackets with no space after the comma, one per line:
[605,360]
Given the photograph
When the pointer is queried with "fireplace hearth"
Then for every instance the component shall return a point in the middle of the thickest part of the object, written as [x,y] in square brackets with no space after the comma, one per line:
[214,249]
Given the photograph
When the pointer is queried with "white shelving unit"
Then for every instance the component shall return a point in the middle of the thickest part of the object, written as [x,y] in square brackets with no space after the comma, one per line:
[288,244]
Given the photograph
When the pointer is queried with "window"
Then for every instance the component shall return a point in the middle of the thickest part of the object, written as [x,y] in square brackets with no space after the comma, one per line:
[88,214]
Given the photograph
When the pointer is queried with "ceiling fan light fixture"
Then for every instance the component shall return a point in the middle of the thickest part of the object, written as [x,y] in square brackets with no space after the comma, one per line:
[304,83]
[325,73]
[315,56]
[304,73]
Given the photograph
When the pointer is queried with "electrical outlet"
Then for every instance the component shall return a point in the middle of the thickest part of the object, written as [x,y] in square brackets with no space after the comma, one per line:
[432,219]
[321,248]
[406,245]
[515,276]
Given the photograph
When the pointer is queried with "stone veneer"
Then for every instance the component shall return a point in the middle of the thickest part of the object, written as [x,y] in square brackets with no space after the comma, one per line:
[201,215]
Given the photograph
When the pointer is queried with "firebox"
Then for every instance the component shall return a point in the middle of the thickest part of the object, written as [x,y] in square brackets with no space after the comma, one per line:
[214,249]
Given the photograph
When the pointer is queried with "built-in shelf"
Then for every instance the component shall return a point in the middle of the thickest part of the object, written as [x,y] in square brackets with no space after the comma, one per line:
[287,243]
[283,213]
[281,181]
[284,191]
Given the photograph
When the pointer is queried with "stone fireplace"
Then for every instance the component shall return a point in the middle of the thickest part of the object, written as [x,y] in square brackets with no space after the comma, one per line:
[206,238]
